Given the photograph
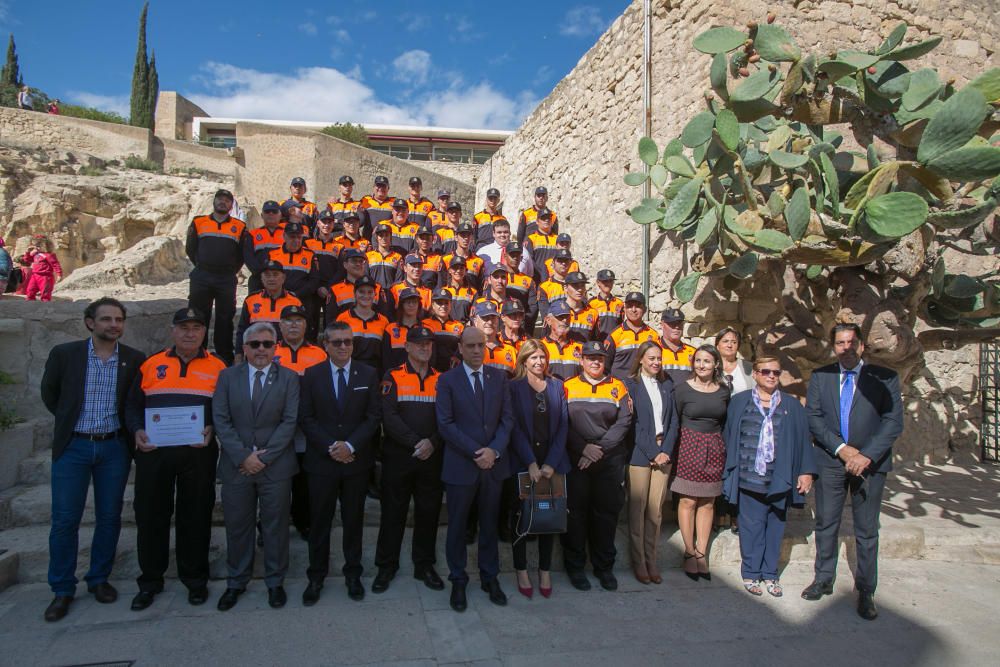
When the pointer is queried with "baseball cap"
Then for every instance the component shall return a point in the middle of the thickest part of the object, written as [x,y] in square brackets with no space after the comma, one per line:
[441,294]
[408,293]
[498,269]
[190,315]
[415,180]
[425,229]
[636,297]
[293,228]
[351,253]
[382,227]
[270,206]
[381,180]
[593,348]
[511,307]
[514,247]
[672,315]
[293,311]
[399,203]
[492,192]
[224,193]
[605,274]
[289,205]
[419,334]
[327,214]
[575,277]
[298,180]
[413,259]
[351,214]
[558,308]
[443,193]
[464,227]
[541,190]
[486,309]
[456,262]
[364,281]
[564,238]
[272,265]
[453,205]
[346,180]
[563,253]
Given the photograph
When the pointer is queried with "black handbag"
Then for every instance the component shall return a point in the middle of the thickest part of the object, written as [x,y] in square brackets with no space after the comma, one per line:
[543,505]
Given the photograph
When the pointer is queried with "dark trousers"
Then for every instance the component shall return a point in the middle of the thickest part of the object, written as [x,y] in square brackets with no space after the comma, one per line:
[762,525]
[300,496]
[106,462]
[312,303]
[595,497]
[190,472]
[486,493]
[402,480]
[324,492]
[241,502]
[208,288]
[519,545]
[832,488]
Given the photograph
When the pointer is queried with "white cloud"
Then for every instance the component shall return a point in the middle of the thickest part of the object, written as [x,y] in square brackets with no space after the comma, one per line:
[116,103]
[309,29]
[412,67]
[480,106]
[582,21]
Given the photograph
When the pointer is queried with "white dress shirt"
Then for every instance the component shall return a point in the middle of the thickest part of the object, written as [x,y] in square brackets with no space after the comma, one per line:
[469,370]
[253,373]
[491,256]
[334,368]
[843,376]
[653,390]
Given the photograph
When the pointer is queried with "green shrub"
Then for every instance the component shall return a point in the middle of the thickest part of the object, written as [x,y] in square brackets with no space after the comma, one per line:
[88,170]
[90,113]
[9,418]
[136,162]
[355,134]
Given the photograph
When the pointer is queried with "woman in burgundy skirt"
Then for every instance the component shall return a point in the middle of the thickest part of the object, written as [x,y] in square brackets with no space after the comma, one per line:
[700,457]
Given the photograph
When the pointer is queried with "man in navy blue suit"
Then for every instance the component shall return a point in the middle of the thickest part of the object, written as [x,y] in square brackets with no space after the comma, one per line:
[475,420]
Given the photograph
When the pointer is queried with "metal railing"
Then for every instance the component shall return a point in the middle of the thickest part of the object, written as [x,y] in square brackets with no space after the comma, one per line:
[989,392]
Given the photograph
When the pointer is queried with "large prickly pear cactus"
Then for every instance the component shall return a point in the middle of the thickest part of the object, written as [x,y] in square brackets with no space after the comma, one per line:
[765,172]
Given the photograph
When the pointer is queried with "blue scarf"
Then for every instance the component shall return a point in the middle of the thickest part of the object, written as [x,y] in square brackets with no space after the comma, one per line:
[765,445]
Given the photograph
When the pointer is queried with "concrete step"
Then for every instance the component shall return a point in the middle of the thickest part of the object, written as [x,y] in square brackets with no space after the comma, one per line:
[16,444]
[36,469]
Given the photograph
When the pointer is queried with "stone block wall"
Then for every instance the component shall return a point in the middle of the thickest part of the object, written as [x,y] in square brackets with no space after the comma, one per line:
[108,141]
[183,155]
[174,115]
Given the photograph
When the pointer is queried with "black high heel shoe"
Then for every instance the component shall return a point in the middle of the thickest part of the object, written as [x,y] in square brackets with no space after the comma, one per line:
[693,576]
[706,575]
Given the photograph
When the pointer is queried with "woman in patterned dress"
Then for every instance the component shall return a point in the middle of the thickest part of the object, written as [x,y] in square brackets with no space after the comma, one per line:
[701,455]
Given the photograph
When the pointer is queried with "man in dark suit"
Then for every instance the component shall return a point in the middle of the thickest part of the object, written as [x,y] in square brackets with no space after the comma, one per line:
[339,414]
[255,410]
[475,420]
[855,414]
[84,385]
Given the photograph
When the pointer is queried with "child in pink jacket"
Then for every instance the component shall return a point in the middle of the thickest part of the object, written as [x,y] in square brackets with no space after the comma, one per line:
[45,270]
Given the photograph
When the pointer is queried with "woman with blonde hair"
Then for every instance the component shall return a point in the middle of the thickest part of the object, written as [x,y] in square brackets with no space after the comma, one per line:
[538,447]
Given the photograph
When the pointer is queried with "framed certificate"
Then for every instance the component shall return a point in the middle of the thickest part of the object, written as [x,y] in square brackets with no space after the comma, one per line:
[173,427]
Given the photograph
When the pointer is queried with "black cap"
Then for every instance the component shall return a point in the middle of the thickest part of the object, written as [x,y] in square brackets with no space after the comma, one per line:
[352,253]
[413,259]
[419,334]
[381,180]
[511,307]
[293,311]
[270,206]
[514,246]
[498,268]
[364,281]
[382,227]
[636,297]
[294,228]
[289,205]
[492,192]
[605,274]
[559,307]
[464,227]
[190,315]
[441,294]
[453,205]
[672,315]
[399,203]
[415,180]
[425,229]
[563,253]
[298,180]
[544,212]
[327,214]
[443,193]
[408,293]
[456,262]
[486,309]
[541,190]
[564,238]
[224,193]
[346,180]
[351,214]
[593,348]
[575,277]
[272,265]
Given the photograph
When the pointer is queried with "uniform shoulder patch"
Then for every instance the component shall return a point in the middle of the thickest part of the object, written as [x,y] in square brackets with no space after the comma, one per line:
[386,387]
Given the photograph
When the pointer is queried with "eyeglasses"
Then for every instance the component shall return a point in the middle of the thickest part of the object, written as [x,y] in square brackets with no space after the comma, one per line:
[769,372]
[257,344]
[340,342]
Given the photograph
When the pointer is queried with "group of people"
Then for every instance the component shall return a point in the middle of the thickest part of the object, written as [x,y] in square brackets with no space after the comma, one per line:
[34,273]
[459,396]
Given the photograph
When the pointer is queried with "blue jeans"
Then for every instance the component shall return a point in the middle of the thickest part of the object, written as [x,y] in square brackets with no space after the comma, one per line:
[107,462]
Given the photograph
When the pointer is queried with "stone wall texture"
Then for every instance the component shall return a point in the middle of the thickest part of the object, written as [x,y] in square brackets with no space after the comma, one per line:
[174,115]
[108,141]
[176,155]
[582,139]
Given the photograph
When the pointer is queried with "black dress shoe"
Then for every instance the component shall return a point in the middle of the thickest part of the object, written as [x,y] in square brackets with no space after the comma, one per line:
[198,596]
[607,580]
[497,595]
[58,608]
[230,598]
[355,590]
[579,580]
[310,595]
[866,606]
[142,600]
[817,589]
[276,597]
[104,592]
[458,602]
[383,579]
[430,578]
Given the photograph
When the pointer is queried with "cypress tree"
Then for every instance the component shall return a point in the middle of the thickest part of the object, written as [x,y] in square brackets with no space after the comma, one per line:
[153,89]
[140,113]
[11,74]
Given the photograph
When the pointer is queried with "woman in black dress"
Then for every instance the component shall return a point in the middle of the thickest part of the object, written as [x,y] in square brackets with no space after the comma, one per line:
[701,455]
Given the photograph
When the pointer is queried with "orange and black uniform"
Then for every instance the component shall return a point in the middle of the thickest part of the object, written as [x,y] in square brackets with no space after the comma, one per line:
[340,209]
[372,212]
[408,416]
[419,210]
[609,314]
[309,210]
[437,219]
[599,414]
[300,358]
[424,292]
[403,237]
[327,255]
[473,267]
[565,361]
[484,227]
[302,279]
[434,264]
[622,345]
[394,343]
[445,242]
[548,292]
[167,381]
[367,337]
[342,299]
[502,356]
[527,223]
[384,268]
[514,341]
[677,364]
[361,243]
[583,324]
[548,270]
[257,249]
[542,248]
[262,307]
[461,302]
[217,251]
[487,297]
[446,337]
[522,287]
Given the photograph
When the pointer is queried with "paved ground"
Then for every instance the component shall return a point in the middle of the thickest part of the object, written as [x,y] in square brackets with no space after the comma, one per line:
[932,613]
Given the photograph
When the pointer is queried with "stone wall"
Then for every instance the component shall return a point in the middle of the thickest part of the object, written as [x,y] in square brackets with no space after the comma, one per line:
[467,173]
[176,155]
[108,141]
[272,156]
[174,115]
[582,139]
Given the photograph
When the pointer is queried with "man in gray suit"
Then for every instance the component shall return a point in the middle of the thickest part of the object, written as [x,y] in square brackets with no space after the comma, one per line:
[855,414]
[255,408]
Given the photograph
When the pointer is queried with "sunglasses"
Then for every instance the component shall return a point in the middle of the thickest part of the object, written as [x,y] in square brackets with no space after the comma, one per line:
[340,342]
[540,405]
[769,372]
[257,344]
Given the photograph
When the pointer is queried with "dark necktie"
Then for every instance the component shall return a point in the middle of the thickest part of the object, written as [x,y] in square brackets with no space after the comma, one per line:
[478,389]
[846,398]
[257,395]
[341,387]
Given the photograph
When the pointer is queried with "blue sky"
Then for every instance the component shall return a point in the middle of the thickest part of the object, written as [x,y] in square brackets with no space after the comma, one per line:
[448,63]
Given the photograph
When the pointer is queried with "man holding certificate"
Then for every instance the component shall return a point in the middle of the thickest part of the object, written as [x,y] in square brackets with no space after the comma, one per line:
[169,409]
